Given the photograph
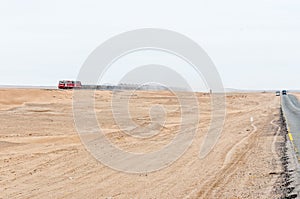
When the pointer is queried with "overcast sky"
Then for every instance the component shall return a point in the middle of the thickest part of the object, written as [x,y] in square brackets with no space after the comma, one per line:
[254,44]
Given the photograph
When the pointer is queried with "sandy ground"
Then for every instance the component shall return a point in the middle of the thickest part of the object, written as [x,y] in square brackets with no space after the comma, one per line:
[41,155]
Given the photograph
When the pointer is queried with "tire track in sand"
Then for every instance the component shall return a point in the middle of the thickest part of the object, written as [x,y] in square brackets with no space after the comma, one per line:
[226,169]
[230,165]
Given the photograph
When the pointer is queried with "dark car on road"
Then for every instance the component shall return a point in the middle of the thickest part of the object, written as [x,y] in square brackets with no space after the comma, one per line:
[284,92]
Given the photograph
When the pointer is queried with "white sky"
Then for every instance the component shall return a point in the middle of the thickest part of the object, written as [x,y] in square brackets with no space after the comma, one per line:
[254,44]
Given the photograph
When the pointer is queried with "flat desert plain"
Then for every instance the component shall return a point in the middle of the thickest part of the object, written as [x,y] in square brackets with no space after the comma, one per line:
[42,156]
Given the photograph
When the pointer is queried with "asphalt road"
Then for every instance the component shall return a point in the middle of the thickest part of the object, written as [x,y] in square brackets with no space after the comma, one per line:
[291,109]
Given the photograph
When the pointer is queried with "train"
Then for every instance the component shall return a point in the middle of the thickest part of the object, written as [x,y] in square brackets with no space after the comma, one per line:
[69,84]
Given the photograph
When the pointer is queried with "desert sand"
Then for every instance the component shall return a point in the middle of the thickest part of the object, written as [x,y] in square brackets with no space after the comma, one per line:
[41,154]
